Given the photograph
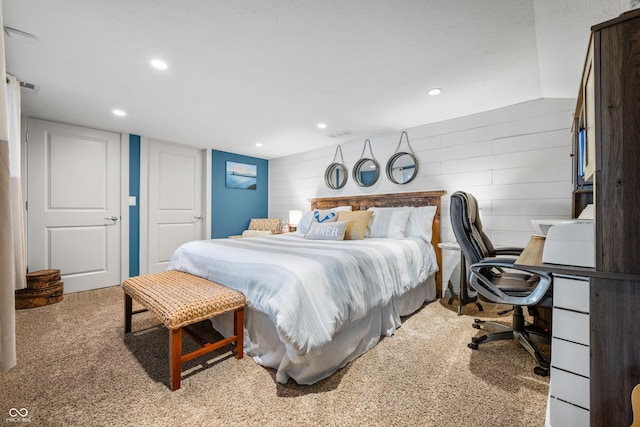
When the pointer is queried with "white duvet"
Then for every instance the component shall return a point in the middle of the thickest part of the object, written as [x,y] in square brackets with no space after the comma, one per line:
[310,288]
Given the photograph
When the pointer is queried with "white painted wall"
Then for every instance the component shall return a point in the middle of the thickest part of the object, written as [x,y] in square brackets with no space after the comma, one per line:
[515,160]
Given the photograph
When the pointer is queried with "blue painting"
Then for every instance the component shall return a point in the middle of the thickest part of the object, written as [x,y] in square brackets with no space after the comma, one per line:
[241,175]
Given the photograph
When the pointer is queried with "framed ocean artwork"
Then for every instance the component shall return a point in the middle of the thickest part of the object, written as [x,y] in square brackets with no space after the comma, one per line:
[241,176]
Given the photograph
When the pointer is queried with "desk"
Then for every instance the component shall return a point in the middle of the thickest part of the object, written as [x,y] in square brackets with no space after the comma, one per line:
[463,292]
[531,257]
[568,403]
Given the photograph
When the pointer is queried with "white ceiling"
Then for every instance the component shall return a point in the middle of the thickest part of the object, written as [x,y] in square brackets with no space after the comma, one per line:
[248,71]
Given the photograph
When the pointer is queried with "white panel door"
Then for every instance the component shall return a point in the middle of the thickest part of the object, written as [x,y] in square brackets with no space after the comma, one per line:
[73,196]
[175,200]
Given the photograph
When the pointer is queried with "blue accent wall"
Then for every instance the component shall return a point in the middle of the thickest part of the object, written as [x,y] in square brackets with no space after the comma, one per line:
[134,211]
[232,208]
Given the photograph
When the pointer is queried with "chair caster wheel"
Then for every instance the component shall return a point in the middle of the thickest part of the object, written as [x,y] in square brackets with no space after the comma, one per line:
[472,346]
[539,370]
[478,321]
[478,340]
[476,325]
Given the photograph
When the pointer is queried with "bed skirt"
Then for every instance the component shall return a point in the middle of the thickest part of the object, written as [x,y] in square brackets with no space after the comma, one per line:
[261,340]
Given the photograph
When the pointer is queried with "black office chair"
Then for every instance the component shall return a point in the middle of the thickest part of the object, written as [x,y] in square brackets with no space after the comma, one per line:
[496,279]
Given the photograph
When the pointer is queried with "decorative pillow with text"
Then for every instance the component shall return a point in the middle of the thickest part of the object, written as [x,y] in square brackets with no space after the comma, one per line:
[327,230]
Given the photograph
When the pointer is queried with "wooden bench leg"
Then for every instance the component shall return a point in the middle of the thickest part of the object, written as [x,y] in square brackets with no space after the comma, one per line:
[175,357]
[238,331]
[128,312]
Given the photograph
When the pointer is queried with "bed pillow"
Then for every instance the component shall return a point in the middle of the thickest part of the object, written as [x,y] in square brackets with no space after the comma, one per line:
[318,215]
[389,223]
[421,222]
[358,222]
[327,230]
[342,208]
[305,222]
[325,215]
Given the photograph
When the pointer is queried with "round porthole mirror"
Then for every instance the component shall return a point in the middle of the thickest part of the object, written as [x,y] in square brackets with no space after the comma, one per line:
[402,167]
[335,176]
[366,170]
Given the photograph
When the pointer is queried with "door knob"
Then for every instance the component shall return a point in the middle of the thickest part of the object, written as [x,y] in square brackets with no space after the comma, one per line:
[112,218]
[198,217]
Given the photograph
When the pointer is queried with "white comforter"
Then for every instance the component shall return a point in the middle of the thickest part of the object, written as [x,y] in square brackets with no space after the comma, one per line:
[310,288]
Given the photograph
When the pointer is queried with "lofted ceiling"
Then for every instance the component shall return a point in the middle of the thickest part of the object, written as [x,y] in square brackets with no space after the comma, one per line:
[242,72]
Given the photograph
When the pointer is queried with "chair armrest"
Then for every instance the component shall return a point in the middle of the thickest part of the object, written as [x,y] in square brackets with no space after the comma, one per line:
[489,290]
[508,250]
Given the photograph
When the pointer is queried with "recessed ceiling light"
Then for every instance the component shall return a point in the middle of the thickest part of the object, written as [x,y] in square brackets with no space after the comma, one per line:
[119,113]
[435,91]
[159,64]
[322,125]
[258,144]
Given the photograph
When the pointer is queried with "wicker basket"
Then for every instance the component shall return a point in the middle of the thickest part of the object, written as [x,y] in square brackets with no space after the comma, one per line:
[43,288]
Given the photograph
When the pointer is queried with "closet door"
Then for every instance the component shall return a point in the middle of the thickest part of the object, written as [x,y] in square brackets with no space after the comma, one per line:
[175,194]
[73,199]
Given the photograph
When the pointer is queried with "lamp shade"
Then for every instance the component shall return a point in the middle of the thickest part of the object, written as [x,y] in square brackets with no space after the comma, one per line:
[294,217]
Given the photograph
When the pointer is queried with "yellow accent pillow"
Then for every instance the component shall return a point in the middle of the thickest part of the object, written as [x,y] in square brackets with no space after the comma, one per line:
[358,221]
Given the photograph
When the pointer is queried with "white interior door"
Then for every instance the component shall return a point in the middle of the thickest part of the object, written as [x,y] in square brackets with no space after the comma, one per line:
[73,196]
[175,200]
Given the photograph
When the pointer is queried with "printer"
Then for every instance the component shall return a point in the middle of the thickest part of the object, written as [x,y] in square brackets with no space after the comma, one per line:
[571,243]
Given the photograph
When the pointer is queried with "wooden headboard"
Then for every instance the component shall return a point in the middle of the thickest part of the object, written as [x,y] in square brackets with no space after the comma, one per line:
[421,198]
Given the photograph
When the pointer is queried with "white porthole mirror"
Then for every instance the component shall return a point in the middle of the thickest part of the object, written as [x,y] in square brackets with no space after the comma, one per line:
[366,170]
[402,167]
[335,176]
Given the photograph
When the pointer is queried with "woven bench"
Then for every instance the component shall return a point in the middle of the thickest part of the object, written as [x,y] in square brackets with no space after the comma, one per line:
[180,299]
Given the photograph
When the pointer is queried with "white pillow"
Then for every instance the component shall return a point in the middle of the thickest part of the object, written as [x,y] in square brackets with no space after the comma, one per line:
[390,223]
[342,208]
[421,222]
[305,222]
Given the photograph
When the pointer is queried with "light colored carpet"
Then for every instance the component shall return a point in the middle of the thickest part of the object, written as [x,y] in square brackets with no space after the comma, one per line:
[75,368]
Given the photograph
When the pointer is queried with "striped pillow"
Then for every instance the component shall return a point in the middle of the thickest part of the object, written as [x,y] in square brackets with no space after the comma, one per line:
[389,223]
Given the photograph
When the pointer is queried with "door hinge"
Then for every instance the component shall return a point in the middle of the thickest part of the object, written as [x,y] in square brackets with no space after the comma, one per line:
[26,205]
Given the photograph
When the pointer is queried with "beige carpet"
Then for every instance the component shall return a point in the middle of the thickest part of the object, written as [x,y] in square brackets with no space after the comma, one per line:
[74,368]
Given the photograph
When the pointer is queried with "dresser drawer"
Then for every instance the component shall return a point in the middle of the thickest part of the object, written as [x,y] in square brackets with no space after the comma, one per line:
[571,294]
[562,414]
[569,387]
[571,326]
[570,356]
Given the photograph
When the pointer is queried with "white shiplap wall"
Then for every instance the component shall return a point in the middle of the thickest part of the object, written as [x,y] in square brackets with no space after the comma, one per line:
[515,160]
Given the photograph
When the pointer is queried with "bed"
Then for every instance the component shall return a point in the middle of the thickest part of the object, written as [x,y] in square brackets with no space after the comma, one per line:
[301,318]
